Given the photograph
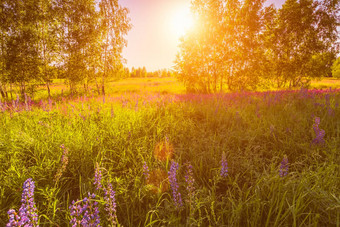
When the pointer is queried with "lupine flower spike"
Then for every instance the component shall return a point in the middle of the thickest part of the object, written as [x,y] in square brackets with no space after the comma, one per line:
[189,179]
[319,133]
[224,166]
[284,167]
[85,212]
[64,162]
[110,205]
[146,171]
[98,178]
[174,185]
[27,215]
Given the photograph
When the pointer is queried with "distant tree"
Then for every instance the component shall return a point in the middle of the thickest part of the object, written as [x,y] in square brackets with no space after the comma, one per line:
[336,68]
[144,72]
[126,72]
[164,73]
[21,50]
[133,72]
[223,48]
[149,74]
[300,41]
[138,72]
[241,43]
[80,40]
[49,31]
[115,24]
[4,23]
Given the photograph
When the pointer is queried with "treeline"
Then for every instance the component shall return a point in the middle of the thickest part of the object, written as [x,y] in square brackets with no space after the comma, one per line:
[242,45]
[77,40]
[142,72]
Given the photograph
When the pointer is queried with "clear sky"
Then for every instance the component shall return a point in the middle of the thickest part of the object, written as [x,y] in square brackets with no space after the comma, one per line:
[153,40]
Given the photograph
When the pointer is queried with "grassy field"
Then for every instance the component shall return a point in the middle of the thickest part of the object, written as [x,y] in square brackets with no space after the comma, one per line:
[166,85]
[173,159]
[129,85]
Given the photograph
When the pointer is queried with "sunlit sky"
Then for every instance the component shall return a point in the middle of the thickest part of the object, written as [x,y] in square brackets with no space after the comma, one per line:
[153,40]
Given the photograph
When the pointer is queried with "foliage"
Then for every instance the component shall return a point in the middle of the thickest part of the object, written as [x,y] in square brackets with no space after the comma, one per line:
[300,40]
[45,39]
[240,44]
[114,25]
[336,68]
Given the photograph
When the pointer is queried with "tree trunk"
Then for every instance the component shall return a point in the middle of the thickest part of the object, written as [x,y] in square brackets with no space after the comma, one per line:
[48,89]
[221,83]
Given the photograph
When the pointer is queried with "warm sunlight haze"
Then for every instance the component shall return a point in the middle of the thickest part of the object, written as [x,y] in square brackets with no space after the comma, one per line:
[169,113]
[157,26]
[181,21]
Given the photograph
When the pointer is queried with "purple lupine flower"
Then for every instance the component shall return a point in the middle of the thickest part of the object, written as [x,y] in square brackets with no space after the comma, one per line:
[50,104]
[224,166]
[64,162]
[284,167]
[17,102]
[330,111]
[189,179]
[327,100]
[110,205]
[146,171]
[27,215]
[319,133]
[174,185]
[14,219]
[98,178]
[85,212]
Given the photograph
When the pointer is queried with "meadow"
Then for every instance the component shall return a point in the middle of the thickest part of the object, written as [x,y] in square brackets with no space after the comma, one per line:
[167,158]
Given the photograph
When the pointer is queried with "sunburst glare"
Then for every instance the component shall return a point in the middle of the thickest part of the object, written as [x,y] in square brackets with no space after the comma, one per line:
[182,21]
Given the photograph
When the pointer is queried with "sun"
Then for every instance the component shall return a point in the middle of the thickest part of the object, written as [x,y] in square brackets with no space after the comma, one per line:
[182,21]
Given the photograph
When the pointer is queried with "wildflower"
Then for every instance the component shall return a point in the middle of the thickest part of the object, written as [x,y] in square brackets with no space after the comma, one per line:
[224,166]
[284,167]
[85,212]
[50,104]
[146,170]
[319,133]
[174,185]
[110,204]
[27,215]
[98,178]
[330,111]
[64,162]
[14,219]
[189,179]
[327,100]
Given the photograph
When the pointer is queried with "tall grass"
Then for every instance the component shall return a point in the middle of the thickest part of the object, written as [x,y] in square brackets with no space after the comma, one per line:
[253,132]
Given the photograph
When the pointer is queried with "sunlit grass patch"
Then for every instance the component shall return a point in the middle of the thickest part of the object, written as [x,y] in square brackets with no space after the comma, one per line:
[253,156]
